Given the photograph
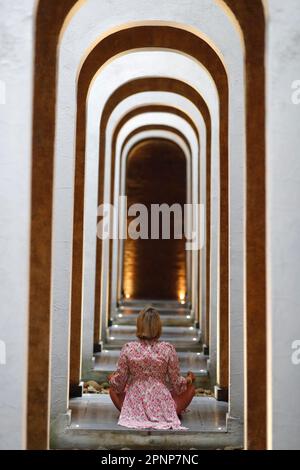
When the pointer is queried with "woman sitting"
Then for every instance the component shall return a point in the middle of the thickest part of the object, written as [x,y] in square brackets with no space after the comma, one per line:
[147,387]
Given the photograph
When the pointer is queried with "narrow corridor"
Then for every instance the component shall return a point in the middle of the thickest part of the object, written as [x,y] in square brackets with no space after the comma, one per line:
[149,155]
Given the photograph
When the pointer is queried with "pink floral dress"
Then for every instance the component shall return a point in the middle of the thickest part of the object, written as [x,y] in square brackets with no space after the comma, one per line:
[148,371]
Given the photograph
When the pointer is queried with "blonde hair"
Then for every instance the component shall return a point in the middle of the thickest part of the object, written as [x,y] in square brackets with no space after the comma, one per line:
[148,324]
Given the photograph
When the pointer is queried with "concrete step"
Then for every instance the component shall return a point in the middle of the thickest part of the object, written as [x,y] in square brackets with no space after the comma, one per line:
[106,361]
[176,314]
[168,319]
[183,338]
[94,426]
[185,332]
[160,305]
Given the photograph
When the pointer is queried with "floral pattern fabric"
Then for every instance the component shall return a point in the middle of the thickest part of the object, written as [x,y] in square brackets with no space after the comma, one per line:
[149,373]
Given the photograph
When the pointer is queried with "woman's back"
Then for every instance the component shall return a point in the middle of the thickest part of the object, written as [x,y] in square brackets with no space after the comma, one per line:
[148,371]
[148,359]
[147,375]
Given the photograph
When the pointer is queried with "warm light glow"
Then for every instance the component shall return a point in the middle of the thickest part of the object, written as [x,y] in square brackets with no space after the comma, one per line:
[127,296]
[181,296]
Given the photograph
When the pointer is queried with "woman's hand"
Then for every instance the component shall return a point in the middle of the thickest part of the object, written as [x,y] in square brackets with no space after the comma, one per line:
[190,378]
[110,376]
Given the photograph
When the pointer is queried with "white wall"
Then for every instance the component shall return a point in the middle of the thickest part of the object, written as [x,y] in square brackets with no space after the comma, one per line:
[16,63]
[283,223]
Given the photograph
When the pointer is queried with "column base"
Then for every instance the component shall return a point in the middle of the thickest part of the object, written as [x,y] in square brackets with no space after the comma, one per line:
[76,390]
[235,428]
[212,371]
[87,365]
[98,347]
[58,427]
[221,393]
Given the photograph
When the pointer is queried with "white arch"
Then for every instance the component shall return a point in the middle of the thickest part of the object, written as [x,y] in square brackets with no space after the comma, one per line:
[155,118]
[173,100]
[140,136]
[125,106]
[123,156]
[89,244]
[137,64]
[121,110]
[122,69]
[112,76]
[84,29]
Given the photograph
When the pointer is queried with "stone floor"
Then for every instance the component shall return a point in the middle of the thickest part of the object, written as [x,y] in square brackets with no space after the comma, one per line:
[97,412]
[94,426]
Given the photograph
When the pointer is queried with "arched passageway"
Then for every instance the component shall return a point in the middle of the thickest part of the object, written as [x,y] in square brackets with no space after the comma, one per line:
[186,103]
[153,83]
[76,314]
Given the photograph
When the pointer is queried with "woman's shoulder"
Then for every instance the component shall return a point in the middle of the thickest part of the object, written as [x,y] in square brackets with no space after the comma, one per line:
[130,345]
[135,345]
[167,346]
